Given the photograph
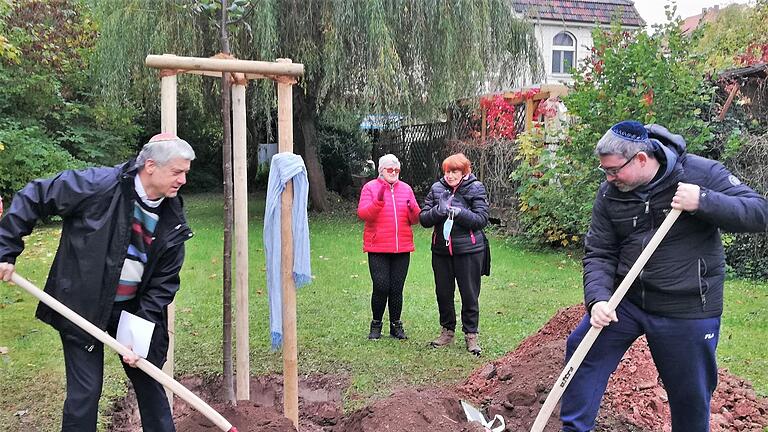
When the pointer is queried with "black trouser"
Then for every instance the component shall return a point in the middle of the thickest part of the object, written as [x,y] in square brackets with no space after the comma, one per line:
[388,272]
[85,376]
[463,270]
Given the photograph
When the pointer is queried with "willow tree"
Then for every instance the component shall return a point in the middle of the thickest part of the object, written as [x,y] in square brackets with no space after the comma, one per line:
[407,56]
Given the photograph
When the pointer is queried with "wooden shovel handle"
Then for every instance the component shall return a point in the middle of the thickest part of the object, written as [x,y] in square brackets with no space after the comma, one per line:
[581,351]
[150,369]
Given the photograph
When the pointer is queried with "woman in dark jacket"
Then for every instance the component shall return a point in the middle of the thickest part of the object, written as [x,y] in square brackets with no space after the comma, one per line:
[457,207]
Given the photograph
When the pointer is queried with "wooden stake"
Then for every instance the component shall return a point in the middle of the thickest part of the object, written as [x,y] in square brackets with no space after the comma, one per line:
[168,91]
[290,351]
[240,161]
[529,114]
[288,68]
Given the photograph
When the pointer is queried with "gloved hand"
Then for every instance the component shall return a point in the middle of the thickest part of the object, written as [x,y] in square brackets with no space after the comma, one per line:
[443,203]
[380,196]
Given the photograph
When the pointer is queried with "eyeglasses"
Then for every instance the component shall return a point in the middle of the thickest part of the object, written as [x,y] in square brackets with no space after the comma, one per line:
[392,170]
[613,172]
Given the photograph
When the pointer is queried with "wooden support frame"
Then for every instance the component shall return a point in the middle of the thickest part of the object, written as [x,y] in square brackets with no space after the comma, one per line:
[284,72]
[290,350]
[168,93]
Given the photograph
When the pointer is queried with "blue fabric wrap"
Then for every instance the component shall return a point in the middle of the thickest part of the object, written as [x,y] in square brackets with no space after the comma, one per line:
[284,168]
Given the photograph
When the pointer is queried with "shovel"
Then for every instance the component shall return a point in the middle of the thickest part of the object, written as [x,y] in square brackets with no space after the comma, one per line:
[150,369]
[581,351]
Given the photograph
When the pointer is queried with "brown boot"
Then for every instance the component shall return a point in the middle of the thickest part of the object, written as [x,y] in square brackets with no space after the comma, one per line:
[445,338]
[472,346]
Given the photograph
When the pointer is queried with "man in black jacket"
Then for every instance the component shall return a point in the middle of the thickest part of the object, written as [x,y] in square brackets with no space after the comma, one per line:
[677,300]
[121,248]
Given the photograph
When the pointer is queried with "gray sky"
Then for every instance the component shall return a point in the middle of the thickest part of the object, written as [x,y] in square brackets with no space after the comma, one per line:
[652,11]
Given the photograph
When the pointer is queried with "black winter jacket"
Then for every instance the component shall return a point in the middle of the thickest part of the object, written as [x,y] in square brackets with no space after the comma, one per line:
[684,276]
[467,235]
[96,207]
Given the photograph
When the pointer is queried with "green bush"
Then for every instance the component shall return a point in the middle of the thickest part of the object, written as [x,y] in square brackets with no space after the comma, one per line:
[29,154]
[343,149]
[628,75]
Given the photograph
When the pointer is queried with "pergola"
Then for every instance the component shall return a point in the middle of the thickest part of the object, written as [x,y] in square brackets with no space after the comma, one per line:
[285,73]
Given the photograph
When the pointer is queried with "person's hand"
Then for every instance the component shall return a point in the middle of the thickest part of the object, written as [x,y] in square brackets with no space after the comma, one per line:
[455,211]
[601,315]
[380,196]
[687,197]
[6,270]
[131,359]
[444,203]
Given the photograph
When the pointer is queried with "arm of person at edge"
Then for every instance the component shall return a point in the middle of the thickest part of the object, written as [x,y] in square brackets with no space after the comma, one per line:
[59,195]
[475,216]
[369,206]
[722,200]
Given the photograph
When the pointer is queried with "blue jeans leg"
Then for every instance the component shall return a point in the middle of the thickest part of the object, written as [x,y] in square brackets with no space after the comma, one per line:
[581,399]
[684,353]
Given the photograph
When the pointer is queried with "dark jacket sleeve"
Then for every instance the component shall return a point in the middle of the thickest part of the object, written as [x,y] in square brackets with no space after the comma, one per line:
[729,204]
[61,195]
[601,255]
[162,285]
[429,216]
[476,216]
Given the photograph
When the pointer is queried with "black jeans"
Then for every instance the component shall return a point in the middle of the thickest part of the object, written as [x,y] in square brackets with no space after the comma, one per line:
[85,376]
[388,272]
[463,270]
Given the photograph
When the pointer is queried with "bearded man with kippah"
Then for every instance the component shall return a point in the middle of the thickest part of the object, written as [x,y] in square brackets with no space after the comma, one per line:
[677,299]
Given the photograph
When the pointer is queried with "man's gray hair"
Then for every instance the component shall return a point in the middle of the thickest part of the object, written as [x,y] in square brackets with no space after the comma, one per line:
[614,144]
[388,161]
[163,150]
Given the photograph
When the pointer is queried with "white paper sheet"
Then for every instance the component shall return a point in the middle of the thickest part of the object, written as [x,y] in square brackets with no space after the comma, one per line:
[135,332]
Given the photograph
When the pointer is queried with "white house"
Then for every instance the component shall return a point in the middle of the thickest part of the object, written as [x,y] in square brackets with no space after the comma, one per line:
[564,29]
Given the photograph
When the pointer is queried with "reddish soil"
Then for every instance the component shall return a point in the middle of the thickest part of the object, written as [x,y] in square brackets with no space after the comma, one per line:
[513,386]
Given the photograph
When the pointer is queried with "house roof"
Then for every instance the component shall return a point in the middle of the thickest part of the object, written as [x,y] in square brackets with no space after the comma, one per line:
[759,70]
[585,11]
[707,15]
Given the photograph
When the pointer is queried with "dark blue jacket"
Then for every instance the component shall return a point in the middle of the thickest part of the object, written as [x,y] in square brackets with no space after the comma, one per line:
[96,206]
[684,277]
[467,235]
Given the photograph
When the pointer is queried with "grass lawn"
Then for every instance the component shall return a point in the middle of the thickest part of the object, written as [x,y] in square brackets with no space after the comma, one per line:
[524,290]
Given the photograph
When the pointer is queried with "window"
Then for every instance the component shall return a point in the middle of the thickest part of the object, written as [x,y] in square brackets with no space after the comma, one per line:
[563,53]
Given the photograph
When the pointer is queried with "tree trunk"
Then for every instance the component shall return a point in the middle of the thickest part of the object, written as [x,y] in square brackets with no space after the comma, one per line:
[307,122]
[226,120]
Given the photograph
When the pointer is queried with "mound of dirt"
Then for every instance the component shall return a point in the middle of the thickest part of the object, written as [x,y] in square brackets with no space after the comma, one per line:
[517,384]
[513,386]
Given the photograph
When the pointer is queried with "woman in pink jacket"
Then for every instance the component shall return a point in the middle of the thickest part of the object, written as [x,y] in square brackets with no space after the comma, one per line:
[389,208]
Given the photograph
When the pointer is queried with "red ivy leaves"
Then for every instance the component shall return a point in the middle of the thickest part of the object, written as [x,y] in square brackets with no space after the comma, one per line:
[500,114]
[755,53]
[499,117]
[648,97]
